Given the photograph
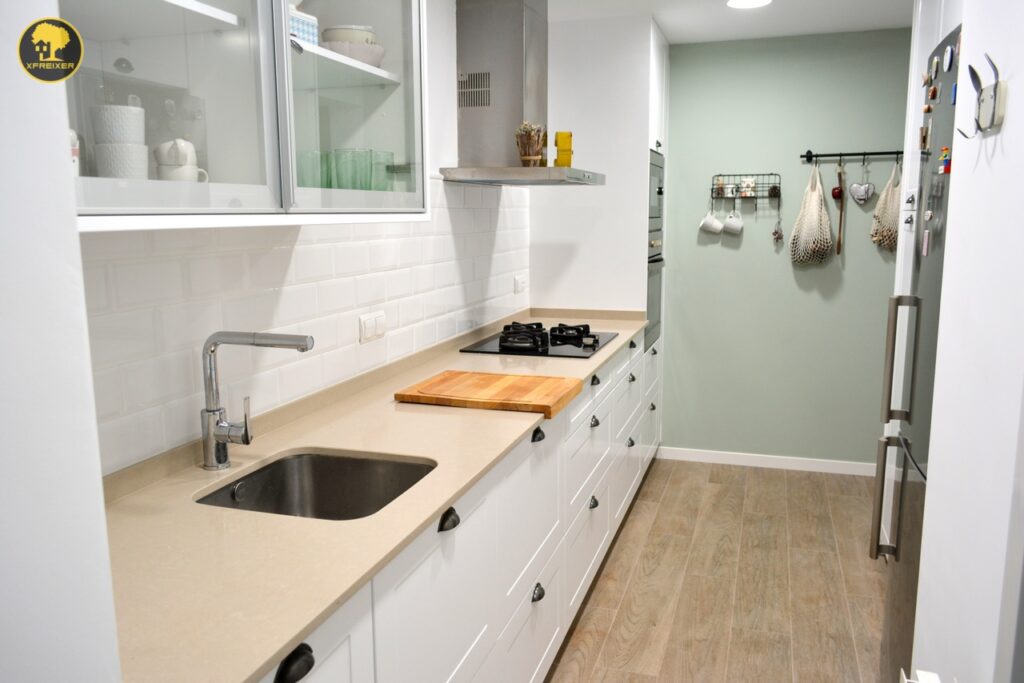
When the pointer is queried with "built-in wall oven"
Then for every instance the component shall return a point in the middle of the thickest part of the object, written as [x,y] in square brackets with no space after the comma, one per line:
[655,242]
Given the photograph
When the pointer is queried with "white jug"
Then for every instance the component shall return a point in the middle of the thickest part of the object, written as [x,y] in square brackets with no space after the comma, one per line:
[177,152]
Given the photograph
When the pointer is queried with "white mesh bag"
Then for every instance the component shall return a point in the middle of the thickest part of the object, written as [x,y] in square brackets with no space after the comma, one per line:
[811,241]
[885,222]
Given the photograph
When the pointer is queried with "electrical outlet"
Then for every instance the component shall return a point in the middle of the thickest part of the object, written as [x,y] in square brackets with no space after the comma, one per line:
[372,326]
[520,282]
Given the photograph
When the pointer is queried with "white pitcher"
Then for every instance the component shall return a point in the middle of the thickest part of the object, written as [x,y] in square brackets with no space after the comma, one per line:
[177,152]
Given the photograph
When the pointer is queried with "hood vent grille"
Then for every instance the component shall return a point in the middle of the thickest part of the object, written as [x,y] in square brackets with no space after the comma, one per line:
[475,90]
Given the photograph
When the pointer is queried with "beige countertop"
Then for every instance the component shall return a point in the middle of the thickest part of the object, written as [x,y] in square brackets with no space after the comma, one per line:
[210,594]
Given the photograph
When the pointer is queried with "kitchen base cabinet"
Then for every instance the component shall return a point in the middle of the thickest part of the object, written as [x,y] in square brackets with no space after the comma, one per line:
[341,648]
[585,542]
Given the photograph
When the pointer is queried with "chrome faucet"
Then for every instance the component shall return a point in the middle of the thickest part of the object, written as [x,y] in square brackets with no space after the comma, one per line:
[217,431]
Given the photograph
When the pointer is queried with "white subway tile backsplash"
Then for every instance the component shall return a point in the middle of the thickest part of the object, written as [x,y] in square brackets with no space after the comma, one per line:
[154,297]
[148,283]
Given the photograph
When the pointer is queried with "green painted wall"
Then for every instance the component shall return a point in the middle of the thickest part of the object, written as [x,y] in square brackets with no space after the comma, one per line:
[764,356]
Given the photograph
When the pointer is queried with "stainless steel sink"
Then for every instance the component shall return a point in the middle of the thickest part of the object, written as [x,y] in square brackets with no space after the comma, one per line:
[321,486]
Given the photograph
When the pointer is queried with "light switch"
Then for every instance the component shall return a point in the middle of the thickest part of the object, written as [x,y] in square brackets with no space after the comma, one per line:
[372,326]
[520,282]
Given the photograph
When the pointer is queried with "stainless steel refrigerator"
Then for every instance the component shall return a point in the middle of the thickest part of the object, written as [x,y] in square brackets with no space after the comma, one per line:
[918,314]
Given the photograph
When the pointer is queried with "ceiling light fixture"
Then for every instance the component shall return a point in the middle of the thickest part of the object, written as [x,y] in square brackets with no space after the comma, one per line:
[748,4]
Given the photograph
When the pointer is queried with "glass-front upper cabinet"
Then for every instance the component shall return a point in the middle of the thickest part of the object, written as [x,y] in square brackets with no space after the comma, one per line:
[355,143]
[174,108]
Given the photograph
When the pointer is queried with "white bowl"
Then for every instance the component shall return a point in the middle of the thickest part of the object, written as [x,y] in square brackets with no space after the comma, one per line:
[364,52]
[349,34]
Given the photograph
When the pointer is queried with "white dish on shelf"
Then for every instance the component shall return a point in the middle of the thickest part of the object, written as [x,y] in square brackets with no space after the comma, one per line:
[366,53]
[349,34]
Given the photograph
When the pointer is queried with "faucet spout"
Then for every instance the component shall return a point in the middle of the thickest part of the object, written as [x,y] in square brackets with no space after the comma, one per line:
[217,431]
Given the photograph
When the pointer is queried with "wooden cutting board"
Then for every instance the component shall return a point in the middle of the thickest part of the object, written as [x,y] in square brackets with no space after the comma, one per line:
[494,391]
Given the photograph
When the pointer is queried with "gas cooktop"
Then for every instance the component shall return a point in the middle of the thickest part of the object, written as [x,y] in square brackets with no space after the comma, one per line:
[532,339]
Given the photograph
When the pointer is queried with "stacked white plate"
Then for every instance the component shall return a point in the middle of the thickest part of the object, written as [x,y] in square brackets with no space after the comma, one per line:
[357,42]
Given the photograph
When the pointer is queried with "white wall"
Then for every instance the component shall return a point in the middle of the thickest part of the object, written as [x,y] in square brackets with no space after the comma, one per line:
[588,244]
[970,569]
[58,609]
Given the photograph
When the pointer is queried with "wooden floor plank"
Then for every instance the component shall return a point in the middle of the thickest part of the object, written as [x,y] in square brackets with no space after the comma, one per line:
[657,478]
[805,491]
[610,585]
[717,535]
[680,505]
[823,648]
[851,517]
[636,641]
[699,641]
[811,531]
[579,658]
[849,485]
[866,615]
[759,657]
[762,585]
[613,676]
[731,475]
[766,491]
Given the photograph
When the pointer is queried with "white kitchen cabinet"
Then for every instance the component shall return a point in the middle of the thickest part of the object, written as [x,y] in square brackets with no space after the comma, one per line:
[586,538]
[342,647]
[212,108]
[658,111]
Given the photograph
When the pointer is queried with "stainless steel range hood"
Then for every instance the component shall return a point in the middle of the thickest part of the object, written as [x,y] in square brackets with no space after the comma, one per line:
[503,80]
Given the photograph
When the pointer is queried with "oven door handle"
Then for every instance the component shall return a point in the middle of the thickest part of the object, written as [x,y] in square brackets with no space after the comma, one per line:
[656,262]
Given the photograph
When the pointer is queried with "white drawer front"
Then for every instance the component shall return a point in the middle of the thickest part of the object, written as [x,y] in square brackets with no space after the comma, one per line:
[527,645]
[628,396]
[584,545]
[584,452]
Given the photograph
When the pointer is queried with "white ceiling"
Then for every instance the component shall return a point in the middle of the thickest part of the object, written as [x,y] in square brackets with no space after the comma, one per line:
[697,21]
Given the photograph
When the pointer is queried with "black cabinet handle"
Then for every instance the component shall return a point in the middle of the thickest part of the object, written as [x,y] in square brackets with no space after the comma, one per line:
[654,352]
[632,377]
[595,380]
[538,593]
[296,665]
[593,502]
[449,520]
[297,46]
[654,407]
[538,435]
[661,191]
[594,422]
[630,443]
[632,344]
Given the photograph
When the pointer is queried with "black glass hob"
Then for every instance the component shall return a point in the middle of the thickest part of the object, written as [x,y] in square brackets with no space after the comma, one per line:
[533,339]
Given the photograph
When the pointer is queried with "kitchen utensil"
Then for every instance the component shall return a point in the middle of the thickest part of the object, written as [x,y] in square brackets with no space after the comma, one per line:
[710,223]
[349,33]
[182,173]
[118,160]
[733,222]
[837,193]
[177,152]
[885,222]
[368,53]
[494,391]
[118,124]
[811,240]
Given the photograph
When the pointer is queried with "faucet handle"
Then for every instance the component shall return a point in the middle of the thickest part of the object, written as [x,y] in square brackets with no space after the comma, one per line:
[247,433]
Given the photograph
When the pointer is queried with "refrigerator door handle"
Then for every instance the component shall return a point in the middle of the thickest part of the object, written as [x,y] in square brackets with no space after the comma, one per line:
[875,547]
[890,355]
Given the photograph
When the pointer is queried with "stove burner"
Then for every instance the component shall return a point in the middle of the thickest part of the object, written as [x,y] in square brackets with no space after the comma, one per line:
[528,337]
[577,335]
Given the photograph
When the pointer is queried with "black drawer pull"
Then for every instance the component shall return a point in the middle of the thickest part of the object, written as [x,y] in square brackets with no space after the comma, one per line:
[594,422]
[538,593]
[595,380]
[654,407]
[632,377]
[654,352]
[449,520]
[538,435]
[632,344]
[630,443]
[296,665]
[593,502]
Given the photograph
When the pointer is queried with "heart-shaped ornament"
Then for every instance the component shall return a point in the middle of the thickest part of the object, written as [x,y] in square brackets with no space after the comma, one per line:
[861,192]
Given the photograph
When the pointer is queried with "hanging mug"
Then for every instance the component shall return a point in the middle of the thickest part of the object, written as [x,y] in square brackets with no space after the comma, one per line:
[710,223]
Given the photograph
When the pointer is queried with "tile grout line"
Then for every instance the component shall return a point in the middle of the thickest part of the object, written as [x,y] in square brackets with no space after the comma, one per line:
[846,597]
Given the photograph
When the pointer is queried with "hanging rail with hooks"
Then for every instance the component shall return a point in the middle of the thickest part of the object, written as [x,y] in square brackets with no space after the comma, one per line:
[810,156]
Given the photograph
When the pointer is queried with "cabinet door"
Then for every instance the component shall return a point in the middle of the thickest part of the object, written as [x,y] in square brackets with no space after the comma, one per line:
[354,135]
[342,647]
[174,109]
[433,603]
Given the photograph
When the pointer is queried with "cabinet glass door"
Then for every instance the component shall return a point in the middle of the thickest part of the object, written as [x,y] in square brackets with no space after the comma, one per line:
[174,108]
[355,140]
